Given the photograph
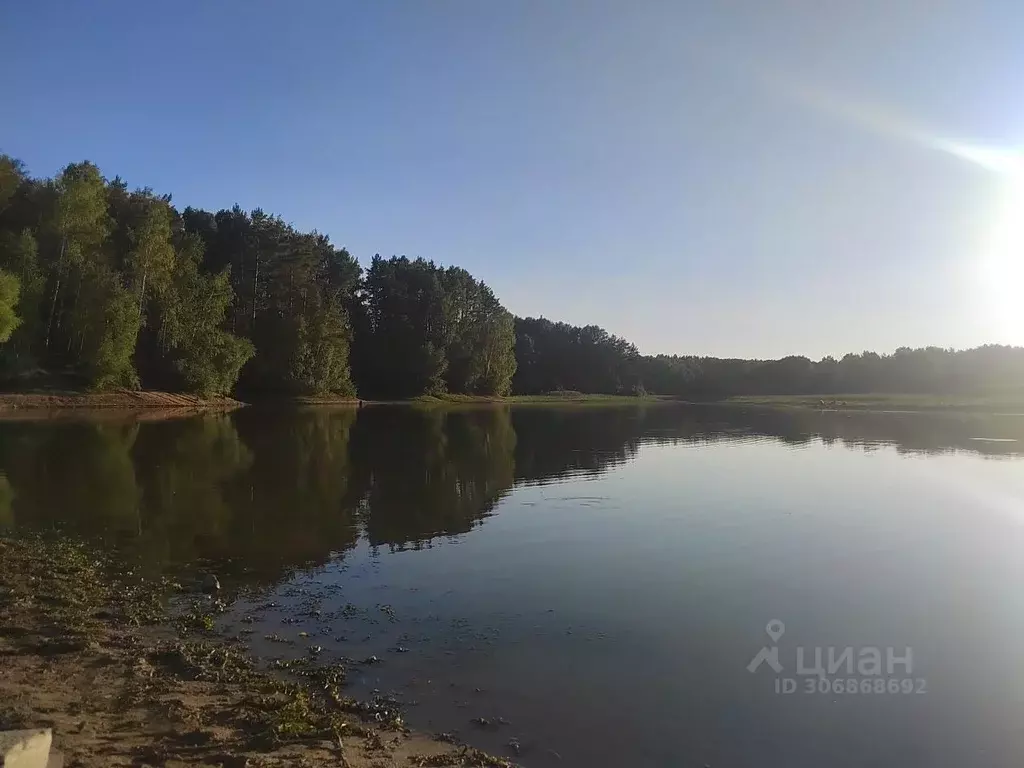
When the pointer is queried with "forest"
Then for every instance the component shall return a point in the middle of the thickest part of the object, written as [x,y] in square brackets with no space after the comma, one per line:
[102,287]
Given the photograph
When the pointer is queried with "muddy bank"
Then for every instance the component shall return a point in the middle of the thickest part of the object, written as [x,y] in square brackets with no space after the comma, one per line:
[128,671]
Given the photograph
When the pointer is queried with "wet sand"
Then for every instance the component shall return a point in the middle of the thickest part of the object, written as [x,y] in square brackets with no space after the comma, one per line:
[128,671]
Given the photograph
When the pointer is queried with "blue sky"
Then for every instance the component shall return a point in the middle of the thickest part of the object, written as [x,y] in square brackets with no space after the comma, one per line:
[733,178]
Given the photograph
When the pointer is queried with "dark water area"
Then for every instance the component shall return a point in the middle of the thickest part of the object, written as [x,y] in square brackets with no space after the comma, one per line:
[594,582]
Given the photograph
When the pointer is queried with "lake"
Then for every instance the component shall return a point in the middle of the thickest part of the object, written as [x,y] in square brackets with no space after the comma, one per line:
[594,582]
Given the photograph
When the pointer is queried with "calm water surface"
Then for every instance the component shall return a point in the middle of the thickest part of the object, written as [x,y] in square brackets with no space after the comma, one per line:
[597,579]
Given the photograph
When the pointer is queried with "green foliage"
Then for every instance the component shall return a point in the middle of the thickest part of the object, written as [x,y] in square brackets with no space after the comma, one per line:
[405,308]
[151,258]
[207,358]
[479,336]
[495,360]
[108,318]
[12,176]
[75,232]
[9,290]
[80,213]
[291,290]
[117,288]
[212,367]
[321,346]
[19,257]
[443,331]
[557,356]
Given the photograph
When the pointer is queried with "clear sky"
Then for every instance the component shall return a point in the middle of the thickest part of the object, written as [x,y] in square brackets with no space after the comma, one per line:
[737,178]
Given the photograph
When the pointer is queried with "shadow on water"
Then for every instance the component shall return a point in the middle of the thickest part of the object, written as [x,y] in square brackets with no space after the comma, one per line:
[266,491]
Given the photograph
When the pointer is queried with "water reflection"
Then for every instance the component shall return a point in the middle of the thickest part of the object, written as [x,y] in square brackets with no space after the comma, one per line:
[296,503]
[430,473]
[78,475]
[928,433]
[649,584]
[267,491]
[558,443]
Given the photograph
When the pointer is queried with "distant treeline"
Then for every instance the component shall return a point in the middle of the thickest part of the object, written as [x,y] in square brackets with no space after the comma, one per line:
[105,287]
[553,356]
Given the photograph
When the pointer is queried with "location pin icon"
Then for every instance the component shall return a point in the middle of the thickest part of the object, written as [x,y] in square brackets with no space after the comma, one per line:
[775,630]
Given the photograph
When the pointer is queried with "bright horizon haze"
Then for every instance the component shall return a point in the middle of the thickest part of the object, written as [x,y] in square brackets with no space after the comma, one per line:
[733,179]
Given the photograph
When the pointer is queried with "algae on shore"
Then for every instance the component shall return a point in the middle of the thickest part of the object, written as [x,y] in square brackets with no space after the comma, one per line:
[92,650]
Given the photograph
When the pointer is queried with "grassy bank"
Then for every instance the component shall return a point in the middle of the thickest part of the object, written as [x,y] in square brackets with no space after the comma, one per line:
[881,402]
[129,671]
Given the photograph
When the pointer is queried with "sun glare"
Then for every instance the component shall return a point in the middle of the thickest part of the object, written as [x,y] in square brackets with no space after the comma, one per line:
[1002,264]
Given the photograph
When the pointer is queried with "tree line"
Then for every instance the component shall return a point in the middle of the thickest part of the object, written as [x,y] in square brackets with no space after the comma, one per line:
[556,356]
[104,287]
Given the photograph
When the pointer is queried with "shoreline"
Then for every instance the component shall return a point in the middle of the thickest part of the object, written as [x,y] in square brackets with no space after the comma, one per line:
[887,403]
[148,401]
[123,399]
[125,672]
[150,404]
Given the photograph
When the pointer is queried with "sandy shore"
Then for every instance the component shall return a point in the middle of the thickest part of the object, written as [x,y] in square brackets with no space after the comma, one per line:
[126,675]
[120,399]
